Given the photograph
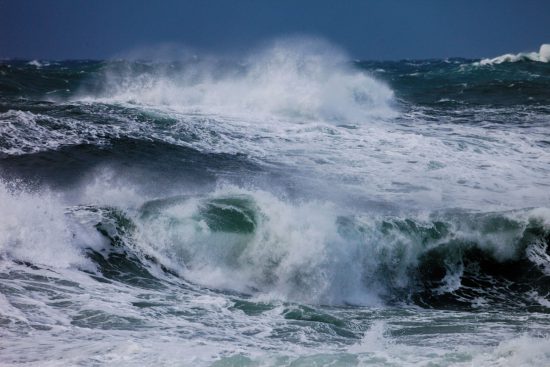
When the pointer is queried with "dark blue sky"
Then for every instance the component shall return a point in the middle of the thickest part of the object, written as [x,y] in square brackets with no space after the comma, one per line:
[382,29]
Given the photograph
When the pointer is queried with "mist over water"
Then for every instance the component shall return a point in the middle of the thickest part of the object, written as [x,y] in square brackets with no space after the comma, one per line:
[296,79]
[287,206]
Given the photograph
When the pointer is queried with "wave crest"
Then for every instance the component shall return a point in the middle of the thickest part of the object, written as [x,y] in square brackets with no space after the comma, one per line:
[298,78]
[542,56]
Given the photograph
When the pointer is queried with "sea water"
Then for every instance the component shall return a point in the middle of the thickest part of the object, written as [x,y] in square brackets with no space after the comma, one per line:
[284,207]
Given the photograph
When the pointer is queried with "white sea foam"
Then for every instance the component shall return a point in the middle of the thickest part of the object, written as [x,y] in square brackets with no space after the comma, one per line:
[298,104]
[303,79]
[26,132]
[34,228]
[488,166]
[295,251]
[542,56]
[520,351]
[311,252]
[37,64]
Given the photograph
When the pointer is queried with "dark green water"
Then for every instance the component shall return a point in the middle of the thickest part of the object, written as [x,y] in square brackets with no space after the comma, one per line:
[292,208]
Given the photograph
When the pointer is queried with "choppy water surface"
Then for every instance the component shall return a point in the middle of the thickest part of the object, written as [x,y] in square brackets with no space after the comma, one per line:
[288,208]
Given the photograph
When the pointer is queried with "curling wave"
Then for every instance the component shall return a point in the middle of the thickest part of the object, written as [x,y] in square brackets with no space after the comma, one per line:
[254,243]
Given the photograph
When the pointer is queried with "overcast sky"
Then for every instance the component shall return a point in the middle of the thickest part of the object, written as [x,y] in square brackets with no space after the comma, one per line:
[381,29]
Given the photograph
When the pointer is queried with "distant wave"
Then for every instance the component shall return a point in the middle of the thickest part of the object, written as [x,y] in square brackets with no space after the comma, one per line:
[542,56]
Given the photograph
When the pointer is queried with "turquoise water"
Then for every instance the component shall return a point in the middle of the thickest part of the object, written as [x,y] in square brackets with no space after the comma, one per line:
[290,208]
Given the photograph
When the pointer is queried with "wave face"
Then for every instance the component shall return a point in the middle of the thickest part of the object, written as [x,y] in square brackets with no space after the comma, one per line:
[284,207]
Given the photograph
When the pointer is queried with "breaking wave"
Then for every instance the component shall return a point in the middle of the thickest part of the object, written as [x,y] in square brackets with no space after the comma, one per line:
[542,56]
[254,243]
[302,79]
[283,207]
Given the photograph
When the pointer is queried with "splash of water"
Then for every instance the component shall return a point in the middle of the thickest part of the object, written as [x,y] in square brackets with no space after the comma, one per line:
[302,79]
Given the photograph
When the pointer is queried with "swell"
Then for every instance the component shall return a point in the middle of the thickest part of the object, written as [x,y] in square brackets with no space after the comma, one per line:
[154,166]
[47,81]
[463,83]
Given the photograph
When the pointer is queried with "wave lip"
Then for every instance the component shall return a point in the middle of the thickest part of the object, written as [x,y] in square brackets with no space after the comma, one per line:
[542,56]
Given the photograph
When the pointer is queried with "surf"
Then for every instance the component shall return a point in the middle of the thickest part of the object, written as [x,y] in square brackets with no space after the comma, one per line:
[298,78]
[542,56]
[283,205]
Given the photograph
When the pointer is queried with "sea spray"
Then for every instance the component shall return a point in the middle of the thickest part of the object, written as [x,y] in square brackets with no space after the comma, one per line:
[285,206]
[301,79]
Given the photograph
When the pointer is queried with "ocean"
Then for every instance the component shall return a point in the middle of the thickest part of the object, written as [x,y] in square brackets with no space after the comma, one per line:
[287,206]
